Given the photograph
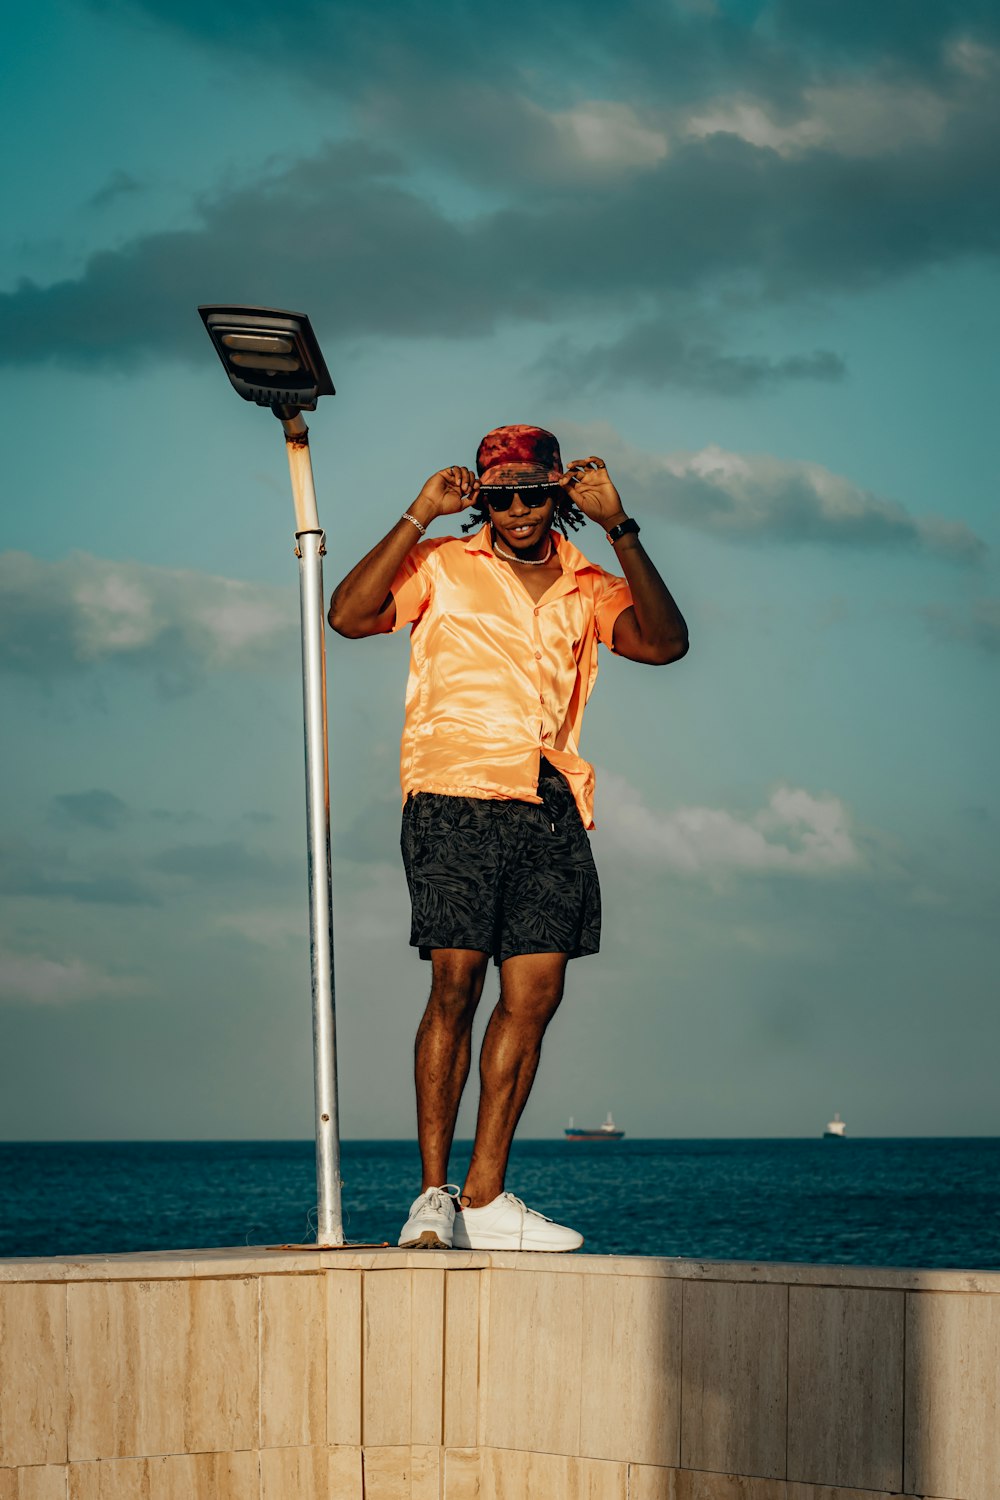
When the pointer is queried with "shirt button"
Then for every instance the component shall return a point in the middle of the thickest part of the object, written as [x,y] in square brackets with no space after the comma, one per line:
[538,656]
[536,611]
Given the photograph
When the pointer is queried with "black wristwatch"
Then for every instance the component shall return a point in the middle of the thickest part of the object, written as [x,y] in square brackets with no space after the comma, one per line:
[628,527]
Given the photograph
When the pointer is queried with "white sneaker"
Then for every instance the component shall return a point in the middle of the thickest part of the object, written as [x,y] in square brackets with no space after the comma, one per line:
[509,1224]
[431,1221]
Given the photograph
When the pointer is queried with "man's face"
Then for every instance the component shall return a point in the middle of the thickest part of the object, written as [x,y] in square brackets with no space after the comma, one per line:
[524,527]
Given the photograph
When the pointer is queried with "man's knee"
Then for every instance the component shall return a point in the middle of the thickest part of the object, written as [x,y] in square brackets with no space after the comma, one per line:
[533,999]
[458,976]
[532,1011]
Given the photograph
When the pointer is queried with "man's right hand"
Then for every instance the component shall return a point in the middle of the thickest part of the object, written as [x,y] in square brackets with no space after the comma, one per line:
[450,490]
[362,603]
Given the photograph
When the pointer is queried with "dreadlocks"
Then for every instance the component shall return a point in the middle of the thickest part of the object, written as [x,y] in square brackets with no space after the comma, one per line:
[567,514]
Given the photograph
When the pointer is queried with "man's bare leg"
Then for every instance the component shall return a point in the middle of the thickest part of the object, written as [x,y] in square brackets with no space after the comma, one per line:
[531,987]
[443,1052]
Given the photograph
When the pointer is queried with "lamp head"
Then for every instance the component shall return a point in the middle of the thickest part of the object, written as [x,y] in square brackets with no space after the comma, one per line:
[271,356]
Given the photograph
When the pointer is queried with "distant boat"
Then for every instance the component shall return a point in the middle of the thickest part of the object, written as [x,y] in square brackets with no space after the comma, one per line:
[607,1132]
[836,1129]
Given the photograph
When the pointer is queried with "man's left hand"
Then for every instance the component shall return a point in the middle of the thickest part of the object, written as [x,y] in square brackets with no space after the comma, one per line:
[588,484]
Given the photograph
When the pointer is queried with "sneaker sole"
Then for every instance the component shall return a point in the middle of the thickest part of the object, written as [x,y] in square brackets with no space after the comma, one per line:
[512,1242]
[428,1239]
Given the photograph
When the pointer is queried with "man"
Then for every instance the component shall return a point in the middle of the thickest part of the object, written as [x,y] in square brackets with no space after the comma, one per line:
[505,628]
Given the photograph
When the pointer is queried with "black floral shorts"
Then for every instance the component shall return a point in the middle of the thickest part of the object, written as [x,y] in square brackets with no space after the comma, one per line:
[502,877]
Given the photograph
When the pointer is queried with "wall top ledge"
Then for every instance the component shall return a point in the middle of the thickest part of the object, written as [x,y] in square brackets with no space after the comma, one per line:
[243,1261]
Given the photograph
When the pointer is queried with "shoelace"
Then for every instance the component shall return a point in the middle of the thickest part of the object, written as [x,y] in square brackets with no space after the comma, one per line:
[516,1202]
[525,1210]
[438,1197]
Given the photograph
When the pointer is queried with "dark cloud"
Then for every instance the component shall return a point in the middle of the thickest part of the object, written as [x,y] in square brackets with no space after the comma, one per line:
[675,46]
[31,872]
[120,184]
[336,233]
[231,863]
[659,355]
[181,818]
[93,809]
[344,236]
[678,210]
[508,144]
[722,214]
[343,46]
[893,32]
[979,626]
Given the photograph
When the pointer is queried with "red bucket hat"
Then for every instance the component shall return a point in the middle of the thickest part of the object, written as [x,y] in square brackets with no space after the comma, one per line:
[508,454]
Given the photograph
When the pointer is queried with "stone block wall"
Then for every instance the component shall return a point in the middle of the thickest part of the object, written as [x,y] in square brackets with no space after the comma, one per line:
[393,1375]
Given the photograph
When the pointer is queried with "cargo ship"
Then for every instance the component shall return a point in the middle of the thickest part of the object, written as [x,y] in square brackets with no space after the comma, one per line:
[836,1129]
[607,1132]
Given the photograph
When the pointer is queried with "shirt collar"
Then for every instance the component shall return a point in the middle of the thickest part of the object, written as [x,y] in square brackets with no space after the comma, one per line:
[571,557]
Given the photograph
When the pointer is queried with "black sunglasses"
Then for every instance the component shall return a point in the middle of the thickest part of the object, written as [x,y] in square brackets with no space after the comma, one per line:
[501,496]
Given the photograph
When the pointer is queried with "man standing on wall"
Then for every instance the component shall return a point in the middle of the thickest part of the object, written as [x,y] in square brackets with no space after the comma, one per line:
[505,630]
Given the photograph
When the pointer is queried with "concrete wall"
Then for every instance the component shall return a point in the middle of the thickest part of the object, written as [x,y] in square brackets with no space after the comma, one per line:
[392,1375]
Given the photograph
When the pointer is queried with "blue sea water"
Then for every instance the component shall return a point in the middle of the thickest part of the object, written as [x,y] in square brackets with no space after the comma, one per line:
[861,1202]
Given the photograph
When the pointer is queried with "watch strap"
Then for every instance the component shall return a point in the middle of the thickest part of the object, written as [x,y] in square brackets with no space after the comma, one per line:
[628,527]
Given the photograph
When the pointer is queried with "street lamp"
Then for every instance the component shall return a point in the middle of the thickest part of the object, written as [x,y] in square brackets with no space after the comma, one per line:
[273,358]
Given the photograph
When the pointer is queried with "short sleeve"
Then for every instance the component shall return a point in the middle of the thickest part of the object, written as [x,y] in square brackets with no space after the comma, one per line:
[411,587]
[611,596]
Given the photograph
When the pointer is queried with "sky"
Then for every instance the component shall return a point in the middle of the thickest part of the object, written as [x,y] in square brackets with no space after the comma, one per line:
[747,253]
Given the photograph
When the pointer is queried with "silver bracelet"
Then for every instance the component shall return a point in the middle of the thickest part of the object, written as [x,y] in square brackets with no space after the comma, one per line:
[420,527]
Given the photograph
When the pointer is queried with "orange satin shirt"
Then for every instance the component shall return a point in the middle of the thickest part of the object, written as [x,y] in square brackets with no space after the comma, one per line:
[496,680]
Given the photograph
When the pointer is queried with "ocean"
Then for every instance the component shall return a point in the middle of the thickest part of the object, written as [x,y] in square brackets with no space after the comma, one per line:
[860,1202]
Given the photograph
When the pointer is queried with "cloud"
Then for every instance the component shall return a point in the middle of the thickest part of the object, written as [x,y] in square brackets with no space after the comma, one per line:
[986,624]
[502,139]
[25,871]
[795,834]
[758,201]
[325,232]
[120,184]
[45,981]
[94,809]
[752,497]
[856,115]
[370,906]
[173,625]
[980,626]
[181,817]
[230,863]
[347,47]
[917,39]
[267,928]
[515,135]
[659,354]
[226,865]
[686,47]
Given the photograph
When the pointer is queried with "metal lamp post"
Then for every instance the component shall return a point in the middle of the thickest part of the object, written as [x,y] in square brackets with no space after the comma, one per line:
[273,358]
